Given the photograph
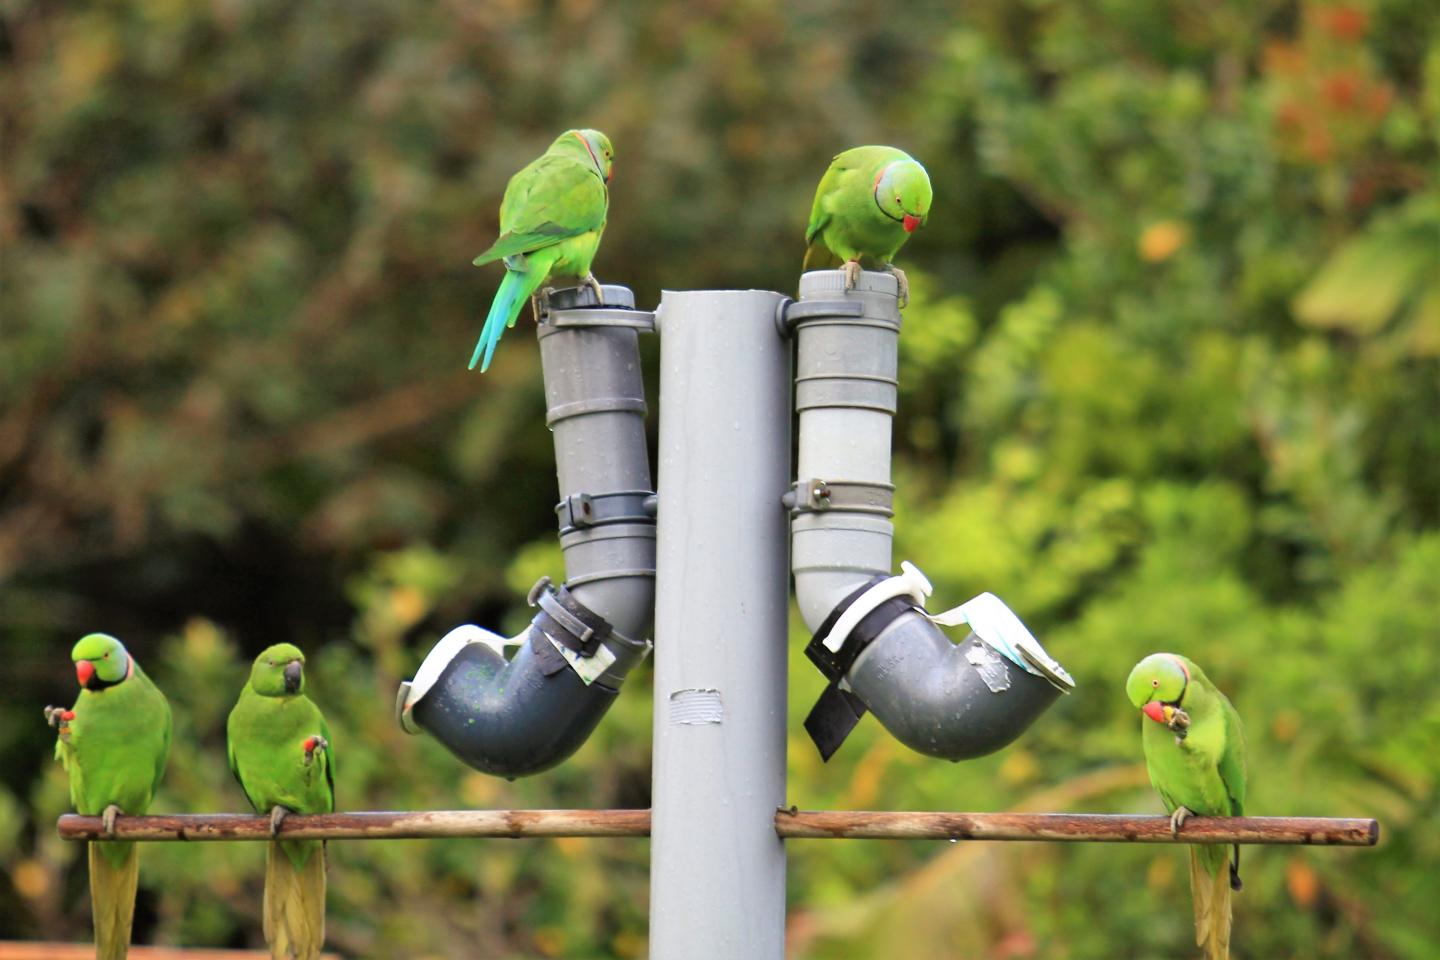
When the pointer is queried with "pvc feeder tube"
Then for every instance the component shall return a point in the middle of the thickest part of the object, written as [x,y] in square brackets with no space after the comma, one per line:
[943,699]
[717,867]
[517,714]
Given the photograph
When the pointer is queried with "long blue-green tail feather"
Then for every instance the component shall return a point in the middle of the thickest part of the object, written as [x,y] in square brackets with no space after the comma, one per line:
[505,305]
[514,290]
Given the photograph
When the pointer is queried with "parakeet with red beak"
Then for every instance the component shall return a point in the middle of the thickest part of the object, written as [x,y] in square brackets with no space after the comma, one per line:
[113,743]
[280,752]
[1195,752]
[867,205]
[551,218]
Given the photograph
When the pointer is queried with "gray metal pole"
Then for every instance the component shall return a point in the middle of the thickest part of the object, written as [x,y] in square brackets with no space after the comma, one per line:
[717,868]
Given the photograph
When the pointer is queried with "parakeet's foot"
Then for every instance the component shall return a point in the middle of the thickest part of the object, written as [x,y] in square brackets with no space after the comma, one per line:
[594,285]
[1178,818]
[58,716]
[277,817]
[1179,724]
[903,282]
[852,274]
[535,308]
[1235,883]
[312,744]
[543,298]
[107,819]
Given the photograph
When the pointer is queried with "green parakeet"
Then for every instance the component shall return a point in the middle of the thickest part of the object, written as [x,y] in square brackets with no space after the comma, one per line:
[551,219]
[280,752]
[1195,752]
[113,744]
[867,205]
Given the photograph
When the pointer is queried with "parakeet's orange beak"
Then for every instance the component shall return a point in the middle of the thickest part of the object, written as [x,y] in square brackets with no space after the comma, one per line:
[911,223]
[1155,711]
[84,670]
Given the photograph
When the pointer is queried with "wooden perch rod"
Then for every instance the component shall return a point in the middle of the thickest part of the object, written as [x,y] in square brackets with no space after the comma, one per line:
[1087,827]
[800,824]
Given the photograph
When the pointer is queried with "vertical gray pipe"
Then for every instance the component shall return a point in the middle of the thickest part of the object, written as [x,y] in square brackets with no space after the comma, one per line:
[717,868]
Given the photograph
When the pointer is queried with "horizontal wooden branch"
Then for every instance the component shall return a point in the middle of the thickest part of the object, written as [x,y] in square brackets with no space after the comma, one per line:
[799,824]
[1073,827]
[381,825]
[39,950]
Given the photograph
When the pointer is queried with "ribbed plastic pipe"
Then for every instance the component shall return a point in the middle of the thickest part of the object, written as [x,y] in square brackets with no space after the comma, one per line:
[524,715]
[717,867]
[943,699]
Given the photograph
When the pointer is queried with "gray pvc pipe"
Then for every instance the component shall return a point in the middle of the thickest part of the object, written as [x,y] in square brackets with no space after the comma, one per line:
[525,714]
[947,700]
[717,874]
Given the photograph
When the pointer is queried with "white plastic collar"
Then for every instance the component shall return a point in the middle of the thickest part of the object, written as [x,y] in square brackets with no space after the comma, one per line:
[987,615]
[446,650]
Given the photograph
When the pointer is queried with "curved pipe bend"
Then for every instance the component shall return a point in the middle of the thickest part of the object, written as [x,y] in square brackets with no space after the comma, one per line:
[517,706]
[946,700]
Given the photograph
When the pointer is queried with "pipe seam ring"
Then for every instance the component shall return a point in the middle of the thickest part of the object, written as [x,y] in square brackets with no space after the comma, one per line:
[579,408]
[862,377]
[596,318]
[612,575]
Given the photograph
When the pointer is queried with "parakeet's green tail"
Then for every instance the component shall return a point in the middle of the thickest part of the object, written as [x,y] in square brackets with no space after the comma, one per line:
[1210,888]
[294,918]
[114,874]
[515,289]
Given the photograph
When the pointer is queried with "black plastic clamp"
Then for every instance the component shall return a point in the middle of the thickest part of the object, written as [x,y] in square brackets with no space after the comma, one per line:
[566,621]
[856,496]
[838,710]
[580,510]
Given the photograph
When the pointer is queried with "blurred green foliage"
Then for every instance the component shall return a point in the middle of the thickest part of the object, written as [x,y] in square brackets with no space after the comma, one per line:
[1170,381]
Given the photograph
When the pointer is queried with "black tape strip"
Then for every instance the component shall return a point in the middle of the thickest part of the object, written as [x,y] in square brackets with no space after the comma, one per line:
[837,711]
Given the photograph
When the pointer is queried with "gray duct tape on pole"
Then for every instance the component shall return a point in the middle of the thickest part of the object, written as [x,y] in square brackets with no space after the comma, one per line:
[520,705]
[873,639]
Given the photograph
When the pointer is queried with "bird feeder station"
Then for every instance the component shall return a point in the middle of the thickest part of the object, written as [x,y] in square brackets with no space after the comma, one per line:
[704,564]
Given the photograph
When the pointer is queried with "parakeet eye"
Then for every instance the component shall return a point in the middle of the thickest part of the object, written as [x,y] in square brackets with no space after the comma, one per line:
[1154,683]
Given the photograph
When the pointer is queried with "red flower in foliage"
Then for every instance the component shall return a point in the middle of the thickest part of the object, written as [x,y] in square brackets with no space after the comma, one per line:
[1344,23]
[1341,89]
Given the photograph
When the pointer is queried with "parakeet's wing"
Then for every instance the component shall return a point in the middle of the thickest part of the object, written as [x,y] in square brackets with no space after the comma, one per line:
[1232,761]
[552,199]
[829,183]
[231,733]
[329,758]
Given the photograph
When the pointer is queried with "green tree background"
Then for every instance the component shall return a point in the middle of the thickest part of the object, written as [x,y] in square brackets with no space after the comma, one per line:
[1171,380]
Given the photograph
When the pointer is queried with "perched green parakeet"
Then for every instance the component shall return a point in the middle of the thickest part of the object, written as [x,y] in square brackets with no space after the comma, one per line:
[1195,752]
[113,744]
[867,205]
[280,752]
[551,219]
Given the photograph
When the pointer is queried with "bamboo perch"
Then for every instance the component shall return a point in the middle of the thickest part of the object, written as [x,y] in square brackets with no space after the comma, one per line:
[797,824]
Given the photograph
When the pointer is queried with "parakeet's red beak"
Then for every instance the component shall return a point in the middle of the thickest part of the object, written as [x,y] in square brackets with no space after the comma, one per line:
[1155,710]
[84,670]
[911,223]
